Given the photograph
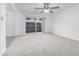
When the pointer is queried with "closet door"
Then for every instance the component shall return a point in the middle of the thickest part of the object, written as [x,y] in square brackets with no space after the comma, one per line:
[38,27]
[30,27]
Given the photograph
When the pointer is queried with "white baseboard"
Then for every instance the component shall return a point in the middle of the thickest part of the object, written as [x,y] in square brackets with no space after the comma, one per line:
[65,37]
[3,52]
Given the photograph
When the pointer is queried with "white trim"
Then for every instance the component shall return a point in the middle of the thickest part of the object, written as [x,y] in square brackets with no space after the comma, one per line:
[64,36]
[3,52]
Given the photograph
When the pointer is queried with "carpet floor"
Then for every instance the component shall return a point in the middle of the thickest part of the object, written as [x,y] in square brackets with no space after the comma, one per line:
[39,44]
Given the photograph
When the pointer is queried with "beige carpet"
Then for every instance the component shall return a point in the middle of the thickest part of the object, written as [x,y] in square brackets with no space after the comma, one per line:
[39,44]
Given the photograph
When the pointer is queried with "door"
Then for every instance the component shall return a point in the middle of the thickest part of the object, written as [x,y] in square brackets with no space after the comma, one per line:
[30,27]
[2,27]
[38,27]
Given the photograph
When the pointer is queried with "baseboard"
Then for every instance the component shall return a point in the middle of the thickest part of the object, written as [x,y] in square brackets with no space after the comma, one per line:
[47,33]
[15,36]
[19,35]
[64,37]
[3,52]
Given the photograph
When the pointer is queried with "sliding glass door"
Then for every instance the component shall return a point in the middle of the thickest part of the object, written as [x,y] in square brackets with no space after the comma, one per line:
[30,27]
[38,27]
[33,27]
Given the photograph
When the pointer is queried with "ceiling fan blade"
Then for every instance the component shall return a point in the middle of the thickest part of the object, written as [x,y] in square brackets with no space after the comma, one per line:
[51,11]
[54,7]
[38,8]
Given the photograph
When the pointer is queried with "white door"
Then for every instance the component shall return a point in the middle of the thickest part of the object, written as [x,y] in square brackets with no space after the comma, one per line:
[2,27]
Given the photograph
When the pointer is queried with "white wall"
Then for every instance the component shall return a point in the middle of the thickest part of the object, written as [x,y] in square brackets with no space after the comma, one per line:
[19,24]
[2,27]
[48,24]
[10,28]
[15,23]
[66,23]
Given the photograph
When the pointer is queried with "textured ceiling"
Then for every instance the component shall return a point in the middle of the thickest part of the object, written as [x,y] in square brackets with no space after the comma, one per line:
[29,7]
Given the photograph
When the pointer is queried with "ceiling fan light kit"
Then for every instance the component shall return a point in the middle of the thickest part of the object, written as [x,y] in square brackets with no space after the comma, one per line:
[46,10]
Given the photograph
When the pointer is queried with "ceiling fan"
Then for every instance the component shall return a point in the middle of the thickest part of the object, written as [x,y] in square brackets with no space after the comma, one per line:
[47,8]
